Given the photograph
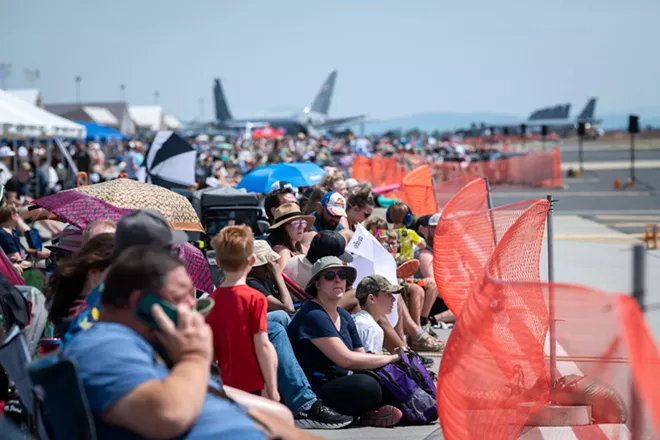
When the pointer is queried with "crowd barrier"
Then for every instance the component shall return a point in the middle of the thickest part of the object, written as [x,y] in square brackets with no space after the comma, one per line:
[538,170]
[495,371]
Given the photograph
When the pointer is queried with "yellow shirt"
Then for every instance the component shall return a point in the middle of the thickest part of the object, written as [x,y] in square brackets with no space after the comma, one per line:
[407,239]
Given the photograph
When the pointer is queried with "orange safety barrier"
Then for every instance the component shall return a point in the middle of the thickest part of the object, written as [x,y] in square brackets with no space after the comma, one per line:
[445,191]
[419,192]
[532,170]
[495,371]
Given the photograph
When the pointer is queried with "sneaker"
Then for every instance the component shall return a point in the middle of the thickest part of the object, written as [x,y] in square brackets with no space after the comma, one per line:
[428,343]
[428,328]
[386,417]
[320,416]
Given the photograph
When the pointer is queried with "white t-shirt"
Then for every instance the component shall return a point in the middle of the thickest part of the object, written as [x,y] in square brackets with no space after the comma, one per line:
[370,332]
[299,270]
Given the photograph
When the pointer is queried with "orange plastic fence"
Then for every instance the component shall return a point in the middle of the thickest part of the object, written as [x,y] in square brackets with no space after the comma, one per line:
[445,191]
[464,241]
[532,170]
[495,371]
[419,192]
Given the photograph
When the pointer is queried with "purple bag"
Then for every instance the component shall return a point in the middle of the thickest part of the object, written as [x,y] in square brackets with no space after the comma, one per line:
[410,387]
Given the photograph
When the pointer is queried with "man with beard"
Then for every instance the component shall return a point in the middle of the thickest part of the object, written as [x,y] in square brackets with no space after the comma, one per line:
[329,213]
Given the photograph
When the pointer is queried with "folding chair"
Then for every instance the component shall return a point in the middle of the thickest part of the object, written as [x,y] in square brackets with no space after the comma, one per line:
[63,399]
[15,358]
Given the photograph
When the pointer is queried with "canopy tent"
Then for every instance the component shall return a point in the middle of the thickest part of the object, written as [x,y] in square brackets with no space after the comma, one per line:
[99,132]
[14,124]
[169,162]
[48,123]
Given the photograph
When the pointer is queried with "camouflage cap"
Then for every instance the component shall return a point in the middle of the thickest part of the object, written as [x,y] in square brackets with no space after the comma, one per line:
[373,284]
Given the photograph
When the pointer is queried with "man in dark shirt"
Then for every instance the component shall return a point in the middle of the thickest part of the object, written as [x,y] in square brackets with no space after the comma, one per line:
[329,213]
[82,158]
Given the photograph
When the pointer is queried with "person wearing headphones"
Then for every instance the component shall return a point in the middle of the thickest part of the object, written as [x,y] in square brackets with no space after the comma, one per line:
[401,218]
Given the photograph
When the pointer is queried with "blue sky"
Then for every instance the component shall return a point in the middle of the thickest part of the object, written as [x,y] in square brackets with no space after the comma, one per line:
[394,57]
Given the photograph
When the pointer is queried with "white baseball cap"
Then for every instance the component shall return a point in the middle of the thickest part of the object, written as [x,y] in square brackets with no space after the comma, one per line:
[6,151]
[335,204]
[435,218]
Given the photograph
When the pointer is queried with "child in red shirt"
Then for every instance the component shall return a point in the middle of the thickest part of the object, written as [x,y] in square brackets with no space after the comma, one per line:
[246,358]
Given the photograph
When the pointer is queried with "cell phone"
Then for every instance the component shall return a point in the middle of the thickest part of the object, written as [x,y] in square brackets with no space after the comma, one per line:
[143,311]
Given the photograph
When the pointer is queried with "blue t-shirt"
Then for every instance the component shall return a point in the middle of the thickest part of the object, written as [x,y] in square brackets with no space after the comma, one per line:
[114,360]
[87,315]
[312,322]
[10,243]
[318,225]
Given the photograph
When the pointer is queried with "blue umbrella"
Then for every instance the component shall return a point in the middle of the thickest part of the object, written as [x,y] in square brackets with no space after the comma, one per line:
[296,173]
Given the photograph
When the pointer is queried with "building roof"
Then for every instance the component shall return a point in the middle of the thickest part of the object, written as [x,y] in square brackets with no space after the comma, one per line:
[101,115]
[118,109]
[30,96]
[147,116]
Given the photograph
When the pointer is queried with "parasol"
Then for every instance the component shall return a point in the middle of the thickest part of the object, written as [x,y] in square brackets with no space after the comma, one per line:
[113,199]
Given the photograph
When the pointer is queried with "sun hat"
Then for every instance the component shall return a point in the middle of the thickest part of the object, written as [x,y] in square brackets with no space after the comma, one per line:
[263,253]
[329,263]
[373,284]
[71,239]
[435,219]
[204,306]
[287,212]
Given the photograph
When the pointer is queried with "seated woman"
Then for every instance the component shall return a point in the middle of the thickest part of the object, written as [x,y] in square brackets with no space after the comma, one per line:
[266,277]
[325,340]
[76,277]
[287,231]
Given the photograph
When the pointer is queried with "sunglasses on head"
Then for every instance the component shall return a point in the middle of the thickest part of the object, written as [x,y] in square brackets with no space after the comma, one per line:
[332,274]
[299,223]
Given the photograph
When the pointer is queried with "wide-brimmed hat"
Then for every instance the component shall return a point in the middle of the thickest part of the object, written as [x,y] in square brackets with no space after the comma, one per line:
[290,211]
[70,240]
[329,263]
[263,253]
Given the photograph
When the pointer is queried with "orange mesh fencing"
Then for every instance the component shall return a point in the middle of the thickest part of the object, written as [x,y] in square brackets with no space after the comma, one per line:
[361,169]
[445,191]
[464,242]
[495,371]
[419,192]
[541,170]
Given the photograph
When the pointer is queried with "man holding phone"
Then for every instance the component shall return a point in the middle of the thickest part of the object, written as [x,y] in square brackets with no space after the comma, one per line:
[134,389]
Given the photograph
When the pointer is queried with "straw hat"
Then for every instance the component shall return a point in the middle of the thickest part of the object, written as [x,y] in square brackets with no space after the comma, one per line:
[263,254]
[290,211]
[329,263]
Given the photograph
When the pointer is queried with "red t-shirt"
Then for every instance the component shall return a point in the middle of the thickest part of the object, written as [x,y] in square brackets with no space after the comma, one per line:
[239,314]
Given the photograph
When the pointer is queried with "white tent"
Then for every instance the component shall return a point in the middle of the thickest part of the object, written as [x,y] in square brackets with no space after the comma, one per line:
[14,124]
[148,117]
[33,116]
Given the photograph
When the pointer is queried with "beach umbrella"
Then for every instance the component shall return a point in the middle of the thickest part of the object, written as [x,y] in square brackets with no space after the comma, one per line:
[267,133]
[169,162]
[297,174]
[113,199]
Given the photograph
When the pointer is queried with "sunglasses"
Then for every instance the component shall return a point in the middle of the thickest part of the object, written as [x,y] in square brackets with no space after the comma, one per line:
[330,275]
[299,224]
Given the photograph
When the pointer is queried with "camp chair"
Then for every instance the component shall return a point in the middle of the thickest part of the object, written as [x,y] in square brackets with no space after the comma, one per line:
[10,431]
[298,294]
[63,400]
[15,358]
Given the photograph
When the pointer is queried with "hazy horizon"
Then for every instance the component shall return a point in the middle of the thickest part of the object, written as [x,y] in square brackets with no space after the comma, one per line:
[505,57]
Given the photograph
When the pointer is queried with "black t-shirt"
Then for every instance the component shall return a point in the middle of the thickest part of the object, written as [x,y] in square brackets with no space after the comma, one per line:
[312,322]
[83,161]
[267,287]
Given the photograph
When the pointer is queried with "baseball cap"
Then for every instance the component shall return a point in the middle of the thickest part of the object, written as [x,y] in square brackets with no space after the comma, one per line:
[435,218]
[422,221]
[146,227]
[335,204]
[372,284]
[328,243]
[6,151]
[70,240]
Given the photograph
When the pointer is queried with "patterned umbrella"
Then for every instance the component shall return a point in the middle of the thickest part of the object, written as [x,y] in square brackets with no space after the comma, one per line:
[116,198]
[196,266]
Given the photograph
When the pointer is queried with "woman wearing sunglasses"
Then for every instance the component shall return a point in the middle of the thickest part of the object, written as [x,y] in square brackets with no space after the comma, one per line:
[287,232]
[327,345]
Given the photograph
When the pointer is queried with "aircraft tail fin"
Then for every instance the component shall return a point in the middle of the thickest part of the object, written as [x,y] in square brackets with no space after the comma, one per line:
[221,107]
[321,103]
[588,111]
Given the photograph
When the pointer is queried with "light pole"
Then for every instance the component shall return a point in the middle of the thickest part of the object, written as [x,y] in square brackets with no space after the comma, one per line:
[78,81]
[156,96]
[122,94]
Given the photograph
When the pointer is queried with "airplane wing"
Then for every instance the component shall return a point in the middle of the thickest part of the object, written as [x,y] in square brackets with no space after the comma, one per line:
[340,121]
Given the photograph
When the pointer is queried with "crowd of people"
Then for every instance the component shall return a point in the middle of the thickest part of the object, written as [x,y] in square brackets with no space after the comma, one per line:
[170,368]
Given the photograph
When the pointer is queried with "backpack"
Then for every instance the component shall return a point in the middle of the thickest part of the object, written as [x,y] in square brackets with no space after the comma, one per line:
[408,385]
